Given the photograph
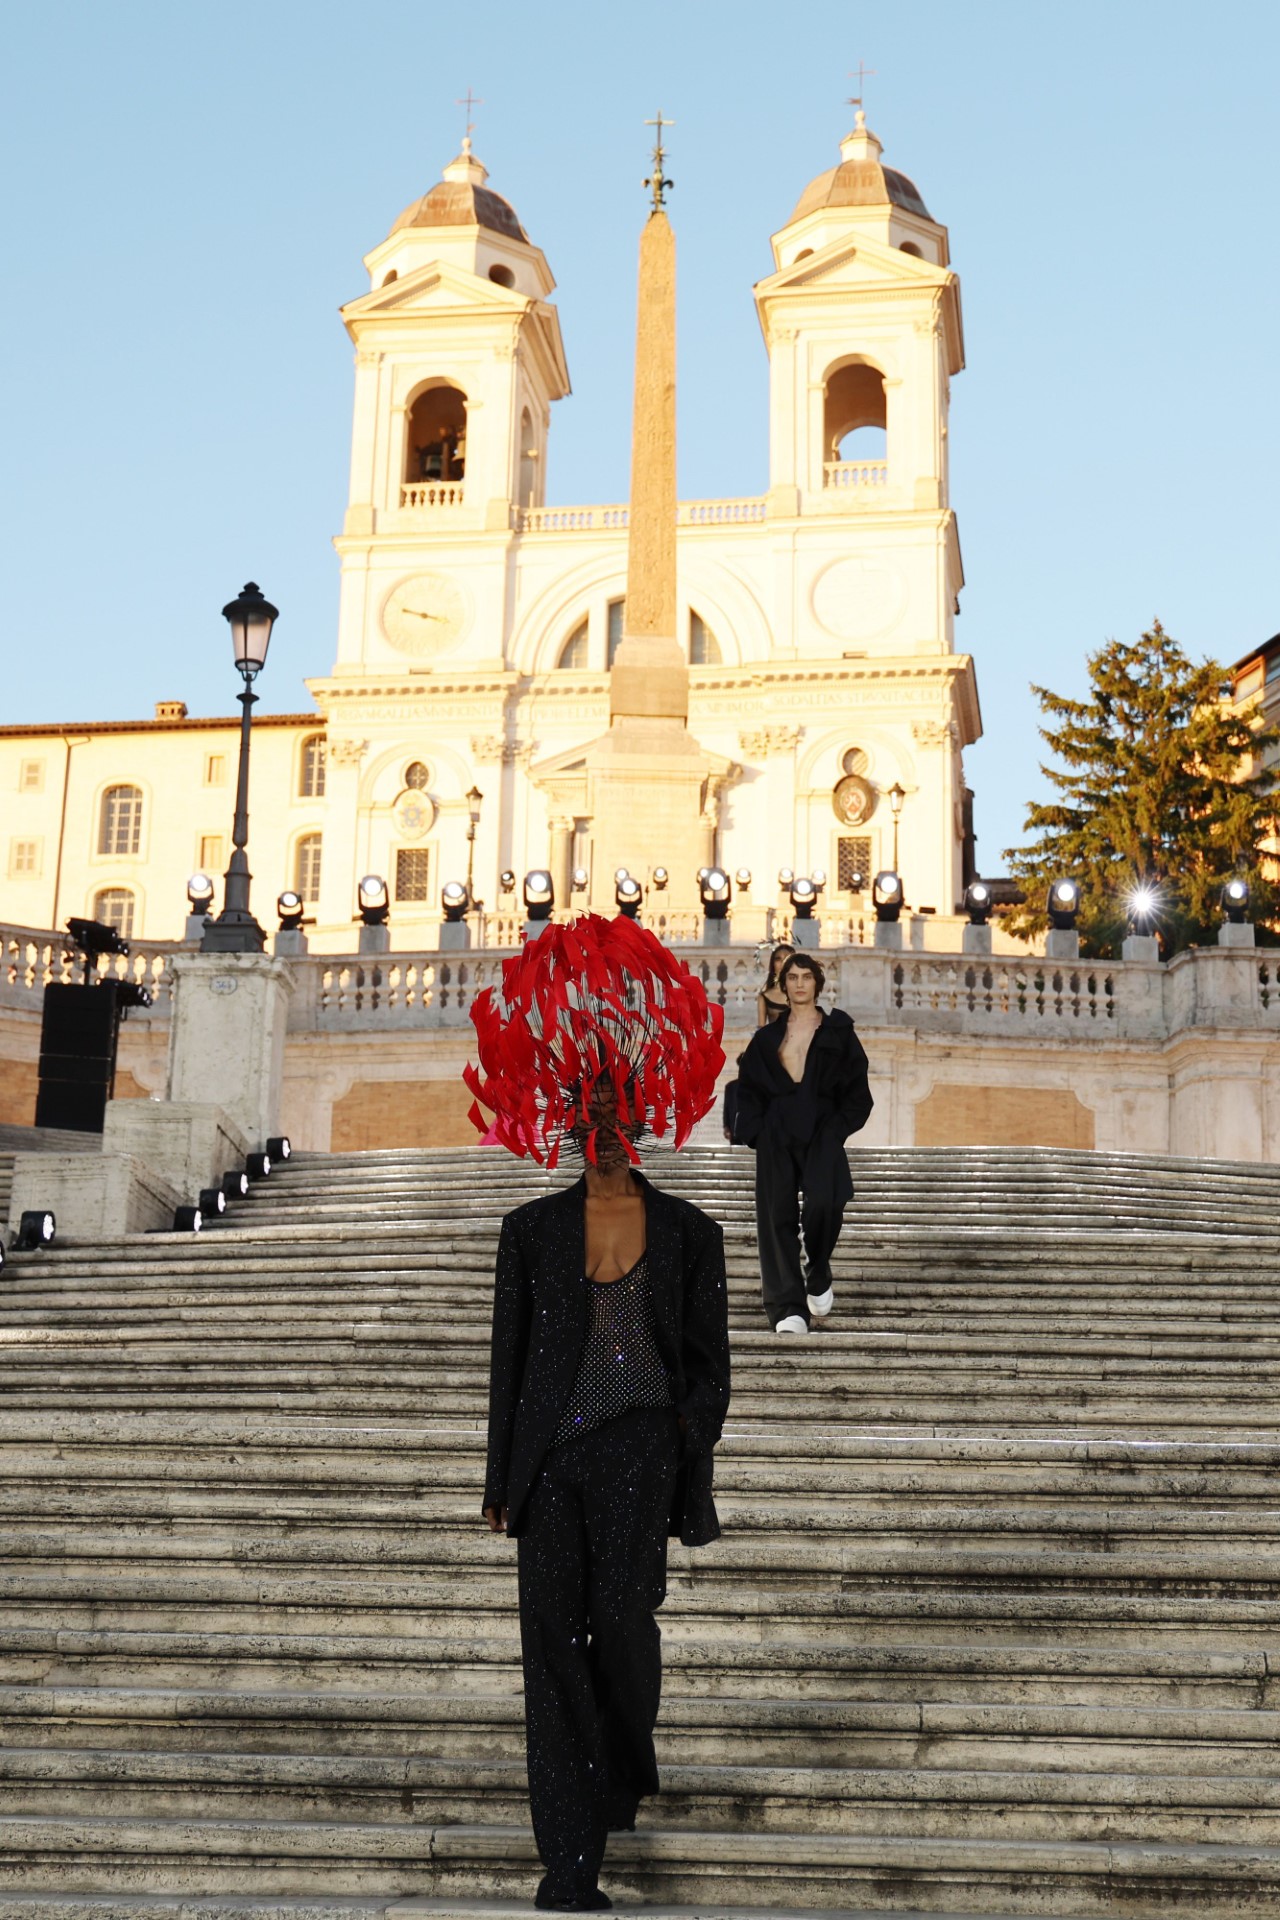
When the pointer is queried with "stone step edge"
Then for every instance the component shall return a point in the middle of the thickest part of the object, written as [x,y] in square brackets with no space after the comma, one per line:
[166,1906]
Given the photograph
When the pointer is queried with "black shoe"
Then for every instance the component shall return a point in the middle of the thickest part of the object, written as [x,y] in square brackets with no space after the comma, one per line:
[547,1901]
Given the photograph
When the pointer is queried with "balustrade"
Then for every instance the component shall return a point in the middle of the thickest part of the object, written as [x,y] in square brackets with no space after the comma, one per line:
[432,493]
[855,475]
[748,511]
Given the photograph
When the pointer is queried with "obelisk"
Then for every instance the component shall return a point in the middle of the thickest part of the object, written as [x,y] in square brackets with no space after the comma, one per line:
[646,774]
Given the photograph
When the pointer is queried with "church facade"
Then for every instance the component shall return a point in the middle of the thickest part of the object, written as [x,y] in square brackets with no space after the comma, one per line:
[477,624]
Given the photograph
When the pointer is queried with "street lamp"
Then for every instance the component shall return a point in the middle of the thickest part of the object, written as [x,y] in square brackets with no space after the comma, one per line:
[235,930]
[897,794]
[473,821]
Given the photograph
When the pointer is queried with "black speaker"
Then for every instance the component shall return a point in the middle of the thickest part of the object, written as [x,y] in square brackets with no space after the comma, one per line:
[79,1033]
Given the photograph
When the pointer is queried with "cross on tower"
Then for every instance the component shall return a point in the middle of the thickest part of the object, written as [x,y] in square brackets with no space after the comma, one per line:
[864,73]
[470,101]
[656,179]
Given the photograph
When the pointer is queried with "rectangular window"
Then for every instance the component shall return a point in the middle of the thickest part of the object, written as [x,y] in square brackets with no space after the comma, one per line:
[24,859]
[306,867]
[210,860]
[412,865]
[120,828]
[215,769]
[31,776]
[853,863]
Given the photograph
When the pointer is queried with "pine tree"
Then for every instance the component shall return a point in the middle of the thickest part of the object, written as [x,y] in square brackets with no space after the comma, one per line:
[1164,787]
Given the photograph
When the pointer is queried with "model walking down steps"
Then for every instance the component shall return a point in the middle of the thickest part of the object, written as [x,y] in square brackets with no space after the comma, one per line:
[991,1628]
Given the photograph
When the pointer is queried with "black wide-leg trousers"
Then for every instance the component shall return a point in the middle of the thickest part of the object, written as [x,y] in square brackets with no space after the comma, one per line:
[592,1570]
[784,1170]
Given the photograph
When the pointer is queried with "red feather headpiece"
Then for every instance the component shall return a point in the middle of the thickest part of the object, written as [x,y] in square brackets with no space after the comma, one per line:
[598,999]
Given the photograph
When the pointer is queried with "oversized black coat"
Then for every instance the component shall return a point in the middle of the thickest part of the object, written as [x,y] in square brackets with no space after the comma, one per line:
[818,1114]
[540,1328]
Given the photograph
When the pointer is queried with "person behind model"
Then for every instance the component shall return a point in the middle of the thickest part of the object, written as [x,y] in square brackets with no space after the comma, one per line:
[610,1372]
[771,1001]
[802,1090]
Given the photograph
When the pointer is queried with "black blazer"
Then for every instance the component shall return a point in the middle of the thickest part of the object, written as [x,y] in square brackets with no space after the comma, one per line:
[831,1102]
[540,1329]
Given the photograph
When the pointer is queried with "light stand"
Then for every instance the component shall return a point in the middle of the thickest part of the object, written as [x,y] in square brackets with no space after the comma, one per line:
[251,618]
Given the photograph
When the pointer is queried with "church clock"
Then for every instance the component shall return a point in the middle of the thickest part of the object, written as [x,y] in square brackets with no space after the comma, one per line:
[424,615]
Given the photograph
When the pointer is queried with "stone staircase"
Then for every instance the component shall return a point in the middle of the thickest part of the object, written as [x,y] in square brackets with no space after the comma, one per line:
[993,1628]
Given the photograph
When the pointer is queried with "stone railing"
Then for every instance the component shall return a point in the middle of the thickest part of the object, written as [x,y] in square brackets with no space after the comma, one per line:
[30,961]
[749,510]
[845,475]
[432,493]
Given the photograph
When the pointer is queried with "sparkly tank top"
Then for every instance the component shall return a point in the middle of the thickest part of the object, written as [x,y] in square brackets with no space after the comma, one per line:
[621,1366]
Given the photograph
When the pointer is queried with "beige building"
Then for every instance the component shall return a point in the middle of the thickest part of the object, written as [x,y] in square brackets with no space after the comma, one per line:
[477,624]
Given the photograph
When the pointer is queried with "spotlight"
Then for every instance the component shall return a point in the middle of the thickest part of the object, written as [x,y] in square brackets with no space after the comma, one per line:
[130,994]
[290,907]
[212,1200]
[1064,905]
[1144,908]
[1,1256]
[621,873]
[857,880]
[36,1230]
[235,1185]
[716,891]
[258,1166]
[539,894]
[804,897]
[200,892]
[886,894]
[580,880]
[188,1220]
[785,876]
[94,937]
[373,900]
[280,1147]
[819,878]
[507,881]
[455,900]
[1235,901]
[628,894]
[978,903]
[742,878]
[660,878]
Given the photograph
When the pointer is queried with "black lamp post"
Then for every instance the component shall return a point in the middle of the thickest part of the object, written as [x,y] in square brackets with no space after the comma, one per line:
[897,794]
[473,821]
[235,930]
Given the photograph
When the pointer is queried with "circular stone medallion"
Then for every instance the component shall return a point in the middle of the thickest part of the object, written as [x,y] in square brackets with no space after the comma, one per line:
[858,599]
[414,814]
[853,801]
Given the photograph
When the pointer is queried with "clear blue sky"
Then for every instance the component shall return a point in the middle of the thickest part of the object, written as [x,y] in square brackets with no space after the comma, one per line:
[189,190]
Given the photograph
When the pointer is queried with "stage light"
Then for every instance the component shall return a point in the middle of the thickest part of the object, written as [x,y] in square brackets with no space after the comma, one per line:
[1235,901]
[94,937]
[804,897]
[978,903]
[212,1200]
[36,1230]
[628,894]
[130,994]
[200,892]
[373,900]
[716,892]
[621,873]
[258,1165]
[742,878]
[1064,905]
[1,1256]
[1144,908]
[857,880]
[455,900]
[660,879]
[579,880]
[280,1147]
[506,881]
[289,906]
[235,1185]
[188,1220]
[539,894]
[819,878]
[886,895]
[785,876]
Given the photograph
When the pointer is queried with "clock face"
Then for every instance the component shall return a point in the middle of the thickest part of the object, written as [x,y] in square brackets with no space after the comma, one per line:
[425,615]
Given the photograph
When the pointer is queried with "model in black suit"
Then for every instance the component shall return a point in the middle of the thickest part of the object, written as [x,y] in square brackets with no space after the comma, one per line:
[605,1277]
[802,1090]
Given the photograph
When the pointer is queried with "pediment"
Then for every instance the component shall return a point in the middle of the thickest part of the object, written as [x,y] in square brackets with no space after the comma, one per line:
[439,286]
[852,264]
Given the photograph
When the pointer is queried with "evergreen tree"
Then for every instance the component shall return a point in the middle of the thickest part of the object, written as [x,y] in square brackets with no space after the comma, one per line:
[1154,794]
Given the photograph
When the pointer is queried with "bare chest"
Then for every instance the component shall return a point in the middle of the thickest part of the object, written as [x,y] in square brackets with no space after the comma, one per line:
[794,1050]
[615,1236]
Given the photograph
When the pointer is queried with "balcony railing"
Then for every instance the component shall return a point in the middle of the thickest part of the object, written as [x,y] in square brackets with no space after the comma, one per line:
[855,476]
[432,493]
[748,511]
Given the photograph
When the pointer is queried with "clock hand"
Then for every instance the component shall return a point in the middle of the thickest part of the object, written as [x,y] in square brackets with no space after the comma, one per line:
[419,615]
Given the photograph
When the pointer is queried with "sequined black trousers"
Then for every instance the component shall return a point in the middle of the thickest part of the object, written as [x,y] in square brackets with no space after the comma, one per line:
[593,1567]
[784,1170]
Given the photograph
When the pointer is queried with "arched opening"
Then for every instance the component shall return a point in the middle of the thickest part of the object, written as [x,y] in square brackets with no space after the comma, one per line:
[617,613]
[114,907]
[436,442]
[306,867]
[387,278]
[805,253]
[909,246]
[573,654]
[854,416]
[311,768]
[120,822]
[528,462]
[502,276]
[704,648]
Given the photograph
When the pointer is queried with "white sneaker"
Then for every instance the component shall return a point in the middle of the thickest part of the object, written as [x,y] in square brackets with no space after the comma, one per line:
[794,1323]
[820,1304]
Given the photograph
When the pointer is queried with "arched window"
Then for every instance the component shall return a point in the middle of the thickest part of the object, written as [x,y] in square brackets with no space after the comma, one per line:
[306,867]
[854,414]
[114,907]
[502,276]
[704,648]
[418,776]
[617,614]
[311,768]
[120,825]
[436,443]
[528,461]
[805,253]
[909,246]
[574,651]
[387,278]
